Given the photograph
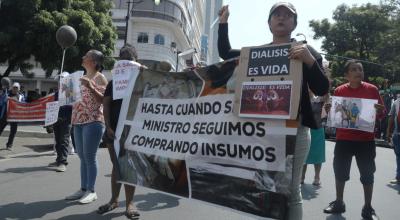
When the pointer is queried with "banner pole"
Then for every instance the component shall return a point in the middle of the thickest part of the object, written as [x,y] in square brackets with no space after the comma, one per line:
[62,61]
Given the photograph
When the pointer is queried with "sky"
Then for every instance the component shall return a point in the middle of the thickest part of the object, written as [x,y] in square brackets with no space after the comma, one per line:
[248,24]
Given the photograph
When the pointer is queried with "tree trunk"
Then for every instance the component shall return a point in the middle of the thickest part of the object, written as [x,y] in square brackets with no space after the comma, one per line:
[10,67]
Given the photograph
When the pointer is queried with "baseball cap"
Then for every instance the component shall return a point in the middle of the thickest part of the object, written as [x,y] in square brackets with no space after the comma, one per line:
[287,5]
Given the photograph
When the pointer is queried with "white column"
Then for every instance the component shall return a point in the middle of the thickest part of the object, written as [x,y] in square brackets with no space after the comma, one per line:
[39,84]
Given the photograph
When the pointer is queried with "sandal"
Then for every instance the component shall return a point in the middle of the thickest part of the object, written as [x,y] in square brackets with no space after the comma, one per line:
[132,214]
[107,208]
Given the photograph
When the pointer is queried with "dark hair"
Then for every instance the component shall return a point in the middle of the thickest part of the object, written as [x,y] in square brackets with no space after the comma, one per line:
[128,52]
[98,58]
[349,63]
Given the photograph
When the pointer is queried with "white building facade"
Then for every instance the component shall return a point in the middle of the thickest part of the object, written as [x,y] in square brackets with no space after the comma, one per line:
[174,31]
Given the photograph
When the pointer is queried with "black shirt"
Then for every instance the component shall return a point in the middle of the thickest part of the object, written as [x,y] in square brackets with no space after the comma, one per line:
[65,111]
[313,78]
[115,106]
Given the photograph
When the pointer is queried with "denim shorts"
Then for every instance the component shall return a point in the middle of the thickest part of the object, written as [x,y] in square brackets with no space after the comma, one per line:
[364,152]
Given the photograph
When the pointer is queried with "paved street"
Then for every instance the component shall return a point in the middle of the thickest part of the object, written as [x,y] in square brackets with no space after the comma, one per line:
[30,190]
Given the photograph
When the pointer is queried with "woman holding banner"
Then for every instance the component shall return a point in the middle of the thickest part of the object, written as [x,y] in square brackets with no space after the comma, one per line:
[282,20]
[88,124]
[111,114]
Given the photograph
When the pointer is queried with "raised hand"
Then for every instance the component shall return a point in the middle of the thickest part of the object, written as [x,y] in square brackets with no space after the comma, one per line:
[224,14]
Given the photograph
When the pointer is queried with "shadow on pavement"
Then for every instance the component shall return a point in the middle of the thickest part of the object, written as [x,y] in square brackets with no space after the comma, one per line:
[395,187]
[309,191]
[155,201]
[34,210]
[39,148]
[335,217]
[92,215]
[33,155]
[26,169]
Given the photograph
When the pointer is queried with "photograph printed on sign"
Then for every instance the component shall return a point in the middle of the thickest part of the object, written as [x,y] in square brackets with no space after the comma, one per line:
[70,91]
[352,113]
[266,99]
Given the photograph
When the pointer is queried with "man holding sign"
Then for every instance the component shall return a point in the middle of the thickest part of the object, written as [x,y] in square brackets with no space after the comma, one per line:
[124,70]
[356,143]
[62,133]
[282,21]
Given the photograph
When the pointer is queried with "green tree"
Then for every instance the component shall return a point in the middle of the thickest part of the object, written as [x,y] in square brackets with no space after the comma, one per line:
[28,27]
[389,48]
[357,32]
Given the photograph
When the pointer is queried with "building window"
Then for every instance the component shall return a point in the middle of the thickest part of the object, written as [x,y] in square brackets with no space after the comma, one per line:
[159,39]
[143,38]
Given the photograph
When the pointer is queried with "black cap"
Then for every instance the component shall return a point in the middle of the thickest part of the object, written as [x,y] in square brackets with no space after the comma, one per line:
[287,5]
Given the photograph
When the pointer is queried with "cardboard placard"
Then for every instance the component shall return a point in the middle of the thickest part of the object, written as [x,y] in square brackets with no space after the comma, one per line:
[266,64]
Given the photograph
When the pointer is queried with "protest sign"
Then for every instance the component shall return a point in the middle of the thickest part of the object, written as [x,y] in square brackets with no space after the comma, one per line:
[269,63]
[352,113]
[28,112]
[69,88]
[123,72]
[267,99]
[51,113]
[177,133]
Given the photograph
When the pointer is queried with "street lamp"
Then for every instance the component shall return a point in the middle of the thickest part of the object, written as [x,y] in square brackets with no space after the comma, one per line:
[301,34]
[156,2]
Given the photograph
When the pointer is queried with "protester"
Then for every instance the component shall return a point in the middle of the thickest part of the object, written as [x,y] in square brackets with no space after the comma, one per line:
[316,154]
[282,21]
[12,94]
[88,123]
[62,135]
[351,142]
[394,128]
[111,113]
[5,85]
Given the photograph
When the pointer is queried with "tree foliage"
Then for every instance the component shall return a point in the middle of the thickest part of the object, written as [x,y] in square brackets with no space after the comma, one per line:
[367,32]
[28,27]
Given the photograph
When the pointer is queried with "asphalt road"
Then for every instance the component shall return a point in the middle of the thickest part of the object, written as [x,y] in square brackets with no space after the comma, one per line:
[30,190]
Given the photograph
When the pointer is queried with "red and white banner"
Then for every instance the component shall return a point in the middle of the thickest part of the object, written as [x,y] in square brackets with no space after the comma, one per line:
[28,112]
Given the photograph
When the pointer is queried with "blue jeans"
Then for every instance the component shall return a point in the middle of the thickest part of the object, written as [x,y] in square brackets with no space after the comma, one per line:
[396,146]
[87,140]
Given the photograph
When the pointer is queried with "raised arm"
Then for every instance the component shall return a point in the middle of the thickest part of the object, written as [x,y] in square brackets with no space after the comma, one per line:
[224,47]
[314,74]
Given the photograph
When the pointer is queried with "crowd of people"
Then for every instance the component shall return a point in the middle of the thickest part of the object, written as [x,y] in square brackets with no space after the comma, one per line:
[94,119]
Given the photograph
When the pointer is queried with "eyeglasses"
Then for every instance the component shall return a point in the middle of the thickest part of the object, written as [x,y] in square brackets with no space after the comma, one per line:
[285,15]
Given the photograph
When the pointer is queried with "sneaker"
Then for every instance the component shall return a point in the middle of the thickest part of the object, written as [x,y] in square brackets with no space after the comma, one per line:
[77,195]
[54,164]
[71,151]
[61,168]
[368,213]
[394,181]
[335,207]
[88,197]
